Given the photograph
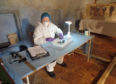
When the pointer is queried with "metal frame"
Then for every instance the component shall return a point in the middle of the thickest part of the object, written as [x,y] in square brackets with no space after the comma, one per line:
[16,18]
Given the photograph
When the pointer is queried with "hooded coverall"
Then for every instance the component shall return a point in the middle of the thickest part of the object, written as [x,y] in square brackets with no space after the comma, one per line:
[41,33]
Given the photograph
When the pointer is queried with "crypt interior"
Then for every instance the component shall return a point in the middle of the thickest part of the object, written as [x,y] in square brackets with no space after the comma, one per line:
[90,52]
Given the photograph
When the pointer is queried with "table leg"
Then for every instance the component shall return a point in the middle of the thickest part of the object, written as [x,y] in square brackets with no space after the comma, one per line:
[89,50]
[27,78]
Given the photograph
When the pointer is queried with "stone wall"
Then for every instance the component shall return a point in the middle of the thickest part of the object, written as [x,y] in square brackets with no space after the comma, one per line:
[61,10]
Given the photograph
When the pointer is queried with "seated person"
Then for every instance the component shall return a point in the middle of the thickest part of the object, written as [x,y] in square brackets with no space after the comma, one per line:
[45,32]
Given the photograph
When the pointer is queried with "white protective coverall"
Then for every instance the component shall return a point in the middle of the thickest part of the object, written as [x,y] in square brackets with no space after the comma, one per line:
[41,33]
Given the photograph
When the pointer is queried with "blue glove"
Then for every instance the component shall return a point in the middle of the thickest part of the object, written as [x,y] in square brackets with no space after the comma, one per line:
[61,36]
[49,39]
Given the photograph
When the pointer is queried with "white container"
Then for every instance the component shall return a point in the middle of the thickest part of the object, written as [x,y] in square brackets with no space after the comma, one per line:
[87,32]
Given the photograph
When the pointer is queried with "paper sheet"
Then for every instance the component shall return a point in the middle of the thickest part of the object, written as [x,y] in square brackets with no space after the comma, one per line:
[34,51]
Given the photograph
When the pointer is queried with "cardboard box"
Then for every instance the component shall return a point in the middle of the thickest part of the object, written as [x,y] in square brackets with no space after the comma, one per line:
[13,38]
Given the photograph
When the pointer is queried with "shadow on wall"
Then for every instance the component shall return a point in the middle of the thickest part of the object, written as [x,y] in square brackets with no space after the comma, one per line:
[27,27]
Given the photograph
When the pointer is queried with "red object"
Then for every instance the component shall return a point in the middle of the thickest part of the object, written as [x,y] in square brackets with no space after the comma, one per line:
[6,72]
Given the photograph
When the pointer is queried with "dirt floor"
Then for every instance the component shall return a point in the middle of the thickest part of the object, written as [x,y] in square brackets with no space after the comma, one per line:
[104,46]
[79,71]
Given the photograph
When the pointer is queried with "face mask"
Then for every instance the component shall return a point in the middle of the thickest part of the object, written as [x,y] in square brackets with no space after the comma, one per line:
[46,23]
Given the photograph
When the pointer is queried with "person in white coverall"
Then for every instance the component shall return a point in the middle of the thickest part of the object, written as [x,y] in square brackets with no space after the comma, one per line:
[45,32]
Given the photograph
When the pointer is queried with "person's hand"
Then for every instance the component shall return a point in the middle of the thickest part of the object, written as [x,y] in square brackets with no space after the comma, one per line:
[61,36]
[49,39]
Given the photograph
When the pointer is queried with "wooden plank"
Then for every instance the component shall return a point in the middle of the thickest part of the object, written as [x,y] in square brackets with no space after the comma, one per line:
[101,58]
[96,57]
[107,72]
